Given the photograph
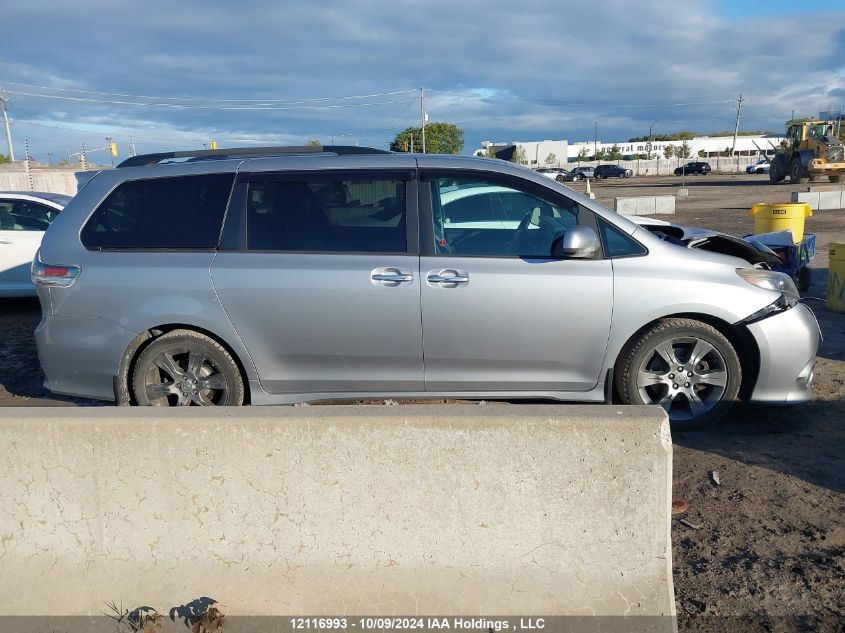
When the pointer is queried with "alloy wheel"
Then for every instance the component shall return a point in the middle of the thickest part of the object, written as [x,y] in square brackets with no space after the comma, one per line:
[687,376]
[185,376]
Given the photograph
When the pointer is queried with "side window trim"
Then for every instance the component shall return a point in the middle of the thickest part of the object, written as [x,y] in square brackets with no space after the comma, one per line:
[427,205]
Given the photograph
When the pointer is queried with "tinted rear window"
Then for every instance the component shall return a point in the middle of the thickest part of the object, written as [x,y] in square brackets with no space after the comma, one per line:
[354,215]
[178,212]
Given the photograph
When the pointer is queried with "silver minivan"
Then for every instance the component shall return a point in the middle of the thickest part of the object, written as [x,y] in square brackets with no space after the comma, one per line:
[285,275]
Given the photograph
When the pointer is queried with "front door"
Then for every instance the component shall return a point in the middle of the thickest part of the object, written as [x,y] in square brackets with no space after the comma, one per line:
[499,313]
[325,292]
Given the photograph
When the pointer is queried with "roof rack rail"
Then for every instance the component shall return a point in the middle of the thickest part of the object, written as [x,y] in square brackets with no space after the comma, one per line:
[144,160]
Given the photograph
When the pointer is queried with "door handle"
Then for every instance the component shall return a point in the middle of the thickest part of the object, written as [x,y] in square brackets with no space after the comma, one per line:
[397,277]
[390,277]
[453,277]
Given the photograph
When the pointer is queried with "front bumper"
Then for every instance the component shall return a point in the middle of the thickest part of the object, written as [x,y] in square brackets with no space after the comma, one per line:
[788,342]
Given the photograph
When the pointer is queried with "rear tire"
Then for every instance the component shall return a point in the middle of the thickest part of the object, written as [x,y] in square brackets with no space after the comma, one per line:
[186,368]
[836,178]
[686,366]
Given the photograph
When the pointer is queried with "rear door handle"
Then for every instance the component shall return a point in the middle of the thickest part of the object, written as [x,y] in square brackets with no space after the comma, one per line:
[447,276]
[390,276]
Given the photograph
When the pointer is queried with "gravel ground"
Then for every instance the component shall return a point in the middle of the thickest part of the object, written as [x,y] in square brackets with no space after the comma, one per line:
[763,550]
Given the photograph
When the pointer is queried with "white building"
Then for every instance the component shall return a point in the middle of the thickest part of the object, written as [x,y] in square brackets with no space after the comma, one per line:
[537,152]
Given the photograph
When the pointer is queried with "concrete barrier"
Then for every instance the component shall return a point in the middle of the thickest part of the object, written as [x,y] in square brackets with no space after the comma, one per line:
[426,509]
[645,205]
[49,180]
[821,200]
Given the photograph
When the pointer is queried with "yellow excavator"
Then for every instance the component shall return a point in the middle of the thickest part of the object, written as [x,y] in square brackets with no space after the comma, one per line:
[813,150]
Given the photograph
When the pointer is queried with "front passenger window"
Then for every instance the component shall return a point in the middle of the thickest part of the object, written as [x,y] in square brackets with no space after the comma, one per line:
[480,217]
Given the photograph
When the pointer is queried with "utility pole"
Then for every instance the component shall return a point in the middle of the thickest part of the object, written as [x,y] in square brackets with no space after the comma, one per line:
[132,151]
[650,130]
[6,126]
[423,116]
[736,129]
[82,158]
[28,164]
[595,139]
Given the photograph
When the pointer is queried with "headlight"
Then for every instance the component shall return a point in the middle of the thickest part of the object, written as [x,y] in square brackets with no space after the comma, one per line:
[771,280]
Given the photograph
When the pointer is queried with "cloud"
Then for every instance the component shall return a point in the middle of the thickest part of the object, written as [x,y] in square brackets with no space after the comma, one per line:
[504,71]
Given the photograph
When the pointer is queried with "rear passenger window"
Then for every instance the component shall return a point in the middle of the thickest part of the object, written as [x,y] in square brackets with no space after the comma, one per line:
[173,213]
[327,216]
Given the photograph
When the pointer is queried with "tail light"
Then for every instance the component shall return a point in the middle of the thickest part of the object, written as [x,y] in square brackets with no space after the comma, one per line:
[61,275]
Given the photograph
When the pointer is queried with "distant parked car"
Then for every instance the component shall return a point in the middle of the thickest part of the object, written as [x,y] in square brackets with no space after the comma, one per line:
[556,173]
[24,216]
[760,167]
[579,173]
[612,171]
[695,169]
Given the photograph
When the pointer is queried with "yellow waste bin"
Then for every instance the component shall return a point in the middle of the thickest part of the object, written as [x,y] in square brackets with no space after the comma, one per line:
[769,218]
[836,277]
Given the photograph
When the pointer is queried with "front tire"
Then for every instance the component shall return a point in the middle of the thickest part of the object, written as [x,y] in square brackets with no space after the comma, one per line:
[186,368]
[797,175]
[836,178]
[685,366]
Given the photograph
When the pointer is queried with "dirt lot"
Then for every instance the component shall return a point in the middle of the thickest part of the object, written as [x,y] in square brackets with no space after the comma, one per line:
[764,549]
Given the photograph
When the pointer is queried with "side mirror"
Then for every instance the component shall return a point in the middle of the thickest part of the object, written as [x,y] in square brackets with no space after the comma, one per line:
[579,242]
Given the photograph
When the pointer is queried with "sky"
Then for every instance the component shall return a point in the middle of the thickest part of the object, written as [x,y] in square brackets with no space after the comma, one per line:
[177,74]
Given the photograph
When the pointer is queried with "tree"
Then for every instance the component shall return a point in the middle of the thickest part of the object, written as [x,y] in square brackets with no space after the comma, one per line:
[583,153]
[519,156]
[491,153]
[669,151]
[600,155]
[702,153]
[3,159]
[551,159]
[615,153]
[313,141]
[440,138]
[684,150]
[674,136]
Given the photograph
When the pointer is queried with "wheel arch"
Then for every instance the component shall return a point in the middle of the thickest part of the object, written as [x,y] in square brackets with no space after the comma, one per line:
[123,396]
[738,336]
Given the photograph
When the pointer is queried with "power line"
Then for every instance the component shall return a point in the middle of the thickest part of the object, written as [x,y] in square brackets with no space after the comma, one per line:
[193,106]
[596,104]
[211,100]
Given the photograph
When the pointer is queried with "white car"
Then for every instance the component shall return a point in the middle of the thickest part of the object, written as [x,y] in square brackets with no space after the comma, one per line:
[556,173]
[24,216]
[760,167]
